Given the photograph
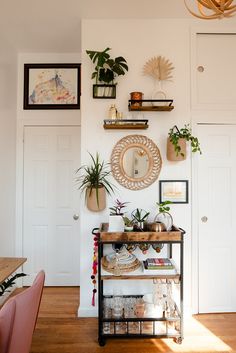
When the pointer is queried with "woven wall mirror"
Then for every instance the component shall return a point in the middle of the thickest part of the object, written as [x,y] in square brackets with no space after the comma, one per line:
[135,162]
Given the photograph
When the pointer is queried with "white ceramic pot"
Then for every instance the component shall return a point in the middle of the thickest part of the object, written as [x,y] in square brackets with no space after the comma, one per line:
[116,223]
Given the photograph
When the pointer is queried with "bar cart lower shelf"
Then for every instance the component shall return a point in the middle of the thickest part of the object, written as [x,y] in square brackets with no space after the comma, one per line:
[128,324]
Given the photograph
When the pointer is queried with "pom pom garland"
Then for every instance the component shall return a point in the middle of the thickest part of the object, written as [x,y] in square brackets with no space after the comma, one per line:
[95,264]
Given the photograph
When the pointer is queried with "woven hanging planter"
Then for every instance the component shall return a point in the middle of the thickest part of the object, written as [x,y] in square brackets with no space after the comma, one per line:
[171,154]
[93,203]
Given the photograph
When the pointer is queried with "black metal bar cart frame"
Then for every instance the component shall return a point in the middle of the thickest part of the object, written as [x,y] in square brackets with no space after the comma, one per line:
[176,236]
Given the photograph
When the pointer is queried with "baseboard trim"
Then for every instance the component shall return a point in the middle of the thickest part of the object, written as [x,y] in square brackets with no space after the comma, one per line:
[87,312]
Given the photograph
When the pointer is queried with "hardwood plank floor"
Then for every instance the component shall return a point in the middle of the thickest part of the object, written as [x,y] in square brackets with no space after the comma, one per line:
[59,330]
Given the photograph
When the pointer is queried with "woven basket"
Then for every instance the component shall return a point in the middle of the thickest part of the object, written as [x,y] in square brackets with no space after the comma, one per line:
[114,267]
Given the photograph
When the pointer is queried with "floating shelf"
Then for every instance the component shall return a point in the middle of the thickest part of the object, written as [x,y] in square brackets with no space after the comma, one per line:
[115,124]
[134,106]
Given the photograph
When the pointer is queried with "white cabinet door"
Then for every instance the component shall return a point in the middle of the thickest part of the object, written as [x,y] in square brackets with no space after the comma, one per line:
[217,218]
[214,71]
[50,232]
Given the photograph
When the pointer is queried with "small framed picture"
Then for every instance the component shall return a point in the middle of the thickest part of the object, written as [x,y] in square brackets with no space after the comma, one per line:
[175,191]
[52,86]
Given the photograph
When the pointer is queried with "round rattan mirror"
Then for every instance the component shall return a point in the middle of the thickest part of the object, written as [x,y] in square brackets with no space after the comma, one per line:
[135,162]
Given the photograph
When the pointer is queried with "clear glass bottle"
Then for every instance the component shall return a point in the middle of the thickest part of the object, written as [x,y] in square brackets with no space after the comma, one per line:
[112,113]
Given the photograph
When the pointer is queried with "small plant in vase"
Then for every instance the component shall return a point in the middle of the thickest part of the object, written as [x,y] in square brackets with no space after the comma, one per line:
[139,218]
[128,223]
[116,221]
[164,216]
[176,143]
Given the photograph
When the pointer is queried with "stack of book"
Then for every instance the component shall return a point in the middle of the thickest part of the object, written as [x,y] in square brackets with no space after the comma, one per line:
[158,264]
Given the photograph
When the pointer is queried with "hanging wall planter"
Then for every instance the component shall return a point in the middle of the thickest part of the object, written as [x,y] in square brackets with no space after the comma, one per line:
[96,199]
[104,91]
[171,152]
[176,143]
[95,183]
[105,73]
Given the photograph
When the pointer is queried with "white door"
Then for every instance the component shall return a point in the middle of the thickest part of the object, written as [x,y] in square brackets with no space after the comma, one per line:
[50,232]
[215,70]
[217,218]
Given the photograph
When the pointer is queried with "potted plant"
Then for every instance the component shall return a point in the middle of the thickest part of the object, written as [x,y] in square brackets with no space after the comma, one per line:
[116,221]
[105,72]
[164,216]
[176,143]
[139,217]
[95,183]
[128,224]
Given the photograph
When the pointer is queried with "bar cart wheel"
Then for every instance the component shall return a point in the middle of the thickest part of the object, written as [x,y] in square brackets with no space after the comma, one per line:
[101,342]
[178,340]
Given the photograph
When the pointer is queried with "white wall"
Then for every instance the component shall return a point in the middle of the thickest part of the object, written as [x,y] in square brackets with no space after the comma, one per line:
[137,41]
[8,88]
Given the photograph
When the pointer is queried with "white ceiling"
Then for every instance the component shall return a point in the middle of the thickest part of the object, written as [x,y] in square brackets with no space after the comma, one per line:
[54,25]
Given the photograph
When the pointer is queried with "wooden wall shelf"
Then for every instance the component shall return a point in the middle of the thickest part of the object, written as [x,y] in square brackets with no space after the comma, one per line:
[132,124]
[165,105]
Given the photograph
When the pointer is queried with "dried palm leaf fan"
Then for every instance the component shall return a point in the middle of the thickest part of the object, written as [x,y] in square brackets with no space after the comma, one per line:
[160,69]
[220,8]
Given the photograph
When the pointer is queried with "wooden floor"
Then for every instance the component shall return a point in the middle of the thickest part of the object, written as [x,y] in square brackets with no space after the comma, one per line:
[59,330]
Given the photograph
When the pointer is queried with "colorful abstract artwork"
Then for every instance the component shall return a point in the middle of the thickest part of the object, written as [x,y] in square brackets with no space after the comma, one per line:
[52,86]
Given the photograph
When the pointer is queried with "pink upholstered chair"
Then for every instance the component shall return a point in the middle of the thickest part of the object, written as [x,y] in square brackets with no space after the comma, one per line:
[25,316]
[7,314]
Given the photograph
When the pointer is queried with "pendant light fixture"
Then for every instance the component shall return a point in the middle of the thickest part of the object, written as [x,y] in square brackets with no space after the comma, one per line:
[213,9]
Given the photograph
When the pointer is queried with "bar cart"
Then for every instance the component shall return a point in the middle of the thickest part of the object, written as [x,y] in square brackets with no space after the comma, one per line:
[162,326]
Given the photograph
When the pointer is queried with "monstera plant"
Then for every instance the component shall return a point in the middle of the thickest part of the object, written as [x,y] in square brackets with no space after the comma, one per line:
[105,72]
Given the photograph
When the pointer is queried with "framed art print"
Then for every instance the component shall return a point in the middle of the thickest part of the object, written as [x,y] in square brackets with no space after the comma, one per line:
[52,86]
[175,191]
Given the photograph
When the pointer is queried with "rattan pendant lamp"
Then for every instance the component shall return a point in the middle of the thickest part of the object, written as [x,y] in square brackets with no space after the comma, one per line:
[213,9]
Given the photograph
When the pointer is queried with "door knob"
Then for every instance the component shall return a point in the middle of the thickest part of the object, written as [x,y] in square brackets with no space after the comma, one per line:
[204,219]
[200,68]
[76,217]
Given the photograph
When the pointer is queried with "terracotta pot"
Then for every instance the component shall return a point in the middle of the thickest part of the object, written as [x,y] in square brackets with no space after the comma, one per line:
[171,154]
[92,203]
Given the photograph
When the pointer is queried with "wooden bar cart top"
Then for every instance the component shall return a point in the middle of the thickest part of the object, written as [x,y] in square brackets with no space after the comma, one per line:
[175,235]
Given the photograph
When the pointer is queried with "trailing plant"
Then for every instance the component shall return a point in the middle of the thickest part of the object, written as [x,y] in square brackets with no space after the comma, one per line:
[185,133]
[94,177]
[106,68]
[118,208]
[9,282]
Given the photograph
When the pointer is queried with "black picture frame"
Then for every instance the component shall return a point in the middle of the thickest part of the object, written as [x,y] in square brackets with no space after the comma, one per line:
[175,191]
[44,78]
